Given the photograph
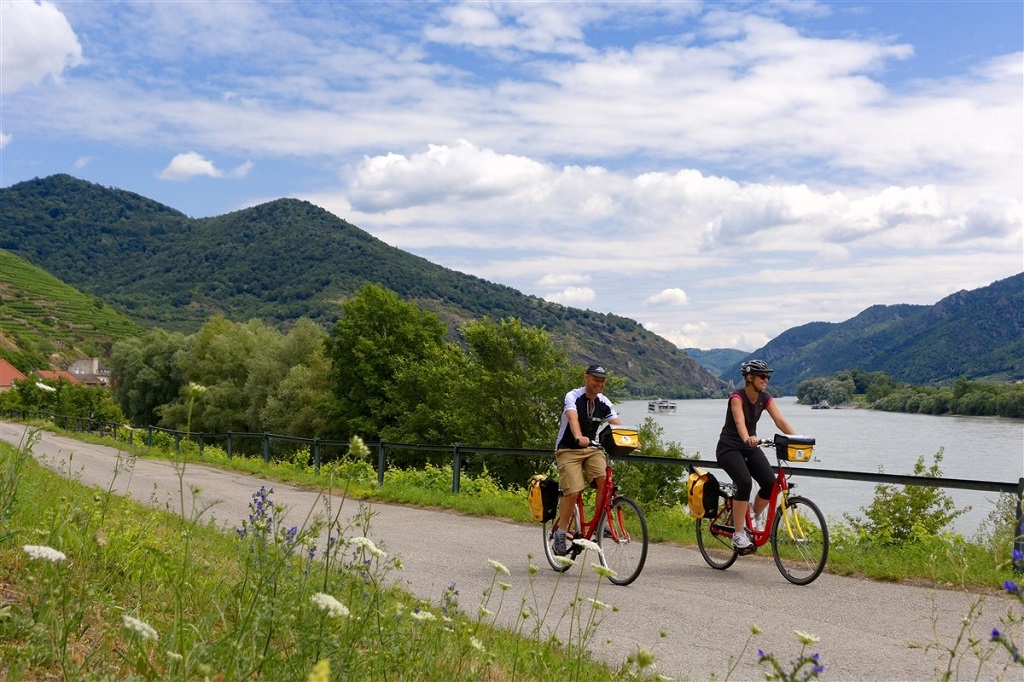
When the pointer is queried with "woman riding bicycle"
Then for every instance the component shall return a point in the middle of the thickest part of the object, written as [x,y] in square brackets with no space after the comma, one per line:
[738,453]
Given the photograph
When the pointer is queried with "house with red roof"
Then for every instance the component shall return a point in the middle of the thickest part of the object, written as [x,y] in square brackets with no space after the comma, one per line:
[8,375]
[57,375]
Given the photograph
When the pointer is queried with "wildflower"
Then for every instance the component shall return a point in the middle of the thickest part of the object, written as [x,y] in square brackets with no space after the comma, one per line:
[333,607]
[525,613]
[321,672]
[367,544]
[1018,555]
[995,633]
[141,628]
[644,658]
[565,561]
[43,552]
[498,566]
[587,544]
[357,448]
[806,638]
[504,586]
[485,612]
[760,655]
[533,569]
[598,605]
[756,630]
[1011,587]
[476,644]
[423,615]
[603,571]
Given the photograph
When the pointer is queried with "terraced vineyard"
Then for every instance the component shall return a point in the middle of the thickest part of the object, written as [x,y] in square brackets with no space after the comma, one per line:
[45,322]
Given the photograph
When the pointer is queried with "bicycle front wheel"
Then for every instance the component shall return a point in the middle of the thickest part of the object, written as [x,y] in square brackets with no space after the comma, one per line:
[714,537]
[799,541]
[554,561]
[622,536]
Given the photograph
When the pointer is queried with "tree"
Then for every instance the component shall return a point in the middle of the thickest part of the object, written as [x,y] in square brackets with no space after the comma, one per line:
[514,400]
[145,374]
[377,335]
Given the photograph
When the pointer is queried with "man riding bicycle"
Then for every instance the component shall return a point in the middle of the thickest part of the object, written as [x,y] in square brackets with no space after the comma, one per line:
[577,460]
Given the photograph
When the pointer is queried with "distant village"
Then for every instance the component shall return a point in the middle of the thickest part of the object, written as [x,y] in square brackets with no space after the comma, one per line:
[85,371]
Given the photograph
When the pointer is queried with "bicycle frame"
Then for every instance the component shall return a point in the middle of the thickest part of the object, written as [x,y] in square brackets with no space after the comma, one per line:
[780,493]
[602,505]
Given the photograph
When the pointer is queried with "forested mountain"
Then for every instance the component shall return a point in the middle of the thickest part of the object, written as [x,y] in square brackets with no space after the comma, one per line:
[717,360]
[44,322]
[975,334]
[284,260]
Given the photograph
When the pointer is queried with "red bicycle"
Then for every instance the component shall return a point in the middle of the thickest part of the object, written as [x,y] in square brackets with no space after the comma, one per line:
[794,524]
[618,527]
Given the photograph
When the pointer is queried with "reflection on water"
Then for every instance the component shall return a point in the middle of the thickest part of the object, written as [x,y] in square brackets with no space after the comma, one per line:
[975,448]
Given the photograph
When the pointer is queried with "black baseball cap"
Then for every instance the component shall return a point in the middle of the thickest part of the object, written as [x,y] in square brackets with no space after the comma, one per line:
[597,371]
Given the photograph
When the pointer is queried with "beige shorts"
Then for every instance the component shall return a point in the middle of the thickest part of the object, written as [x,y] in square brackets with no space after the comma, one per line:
[571,465]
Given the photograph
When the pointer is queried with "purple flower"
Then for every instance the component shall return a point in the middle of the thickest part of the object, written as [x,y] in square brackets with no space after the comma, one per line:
[1018,555]
[995,633]
[1011,587]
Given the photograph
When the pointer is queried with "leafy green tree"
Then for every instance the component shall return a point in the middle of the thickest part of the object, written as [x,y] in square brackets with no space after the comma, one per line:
[65,398]
[217,357]
[378,335]
[519,378]
[658,484]
[273,361]
[145,374]
[911,513]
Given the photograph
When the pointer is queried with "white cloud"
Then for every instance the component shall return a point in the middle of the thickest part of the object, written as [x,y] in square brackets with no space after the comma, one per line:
[561,279]
[191,164]
[572,296]
[38,43]
[188,165]
[5,139]
[667,297]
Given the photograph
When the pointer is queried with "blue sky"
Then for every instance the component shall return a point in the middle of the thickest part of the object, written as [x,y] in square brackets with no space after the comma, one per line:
[718,171]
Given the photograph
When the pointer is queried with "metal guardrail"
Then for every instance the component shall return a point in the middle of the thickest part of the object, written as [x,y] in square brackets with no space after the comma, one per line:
[458,450]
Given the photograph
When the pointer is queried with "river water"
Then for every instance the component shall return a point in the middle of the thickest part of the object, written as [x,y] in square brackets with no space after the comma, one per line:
[975,448]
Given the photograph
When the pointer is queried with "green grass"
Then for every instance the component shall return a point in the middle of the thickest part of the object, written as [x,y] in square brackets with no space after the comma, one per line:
[141,593]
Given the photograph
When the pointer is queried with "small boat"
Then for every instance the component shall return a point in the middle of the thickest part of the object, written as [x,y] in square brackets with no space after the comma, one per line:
[661,406]
[823,405]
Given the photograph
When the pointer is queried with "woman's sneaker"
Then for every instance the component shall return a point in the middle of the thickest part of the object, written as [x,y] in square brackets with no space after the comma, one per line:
[741,542]
[760,520]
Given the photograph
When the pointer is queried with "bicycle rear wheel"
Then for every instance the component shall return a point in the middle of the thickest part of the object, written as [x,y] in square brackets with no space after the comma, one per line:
[622,536]
[716,545]
[799,541]
[555,561]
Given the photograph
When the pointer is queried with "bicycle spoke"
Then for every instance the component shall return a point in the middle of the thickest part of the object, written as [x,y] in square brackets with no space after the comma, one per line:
[715,545]
[800,540]
[622,536]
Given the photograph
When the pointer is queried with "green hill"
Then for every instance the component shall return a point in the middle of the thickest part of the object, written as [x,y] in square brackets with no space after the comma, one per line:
[284,260]
[717,360]
[975,334]
[44,322]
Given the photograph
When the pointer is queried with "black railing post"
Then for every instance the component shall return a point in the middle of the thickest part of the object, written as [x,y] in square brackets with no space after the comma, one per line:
[200,443]
[177,442]
[316,455]
[380,464]
[266,448]
[1018,529]
[149,436]
[456,468]
[229,445]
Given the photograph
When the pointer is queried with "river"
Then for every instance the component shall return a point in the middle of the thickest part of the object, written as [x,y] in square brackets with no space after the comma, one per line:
[976,448]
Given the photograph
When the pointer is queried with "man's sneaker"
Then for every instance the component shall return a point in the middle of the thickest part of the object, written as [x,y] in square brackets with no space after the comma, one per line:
[741,542]
[560,548]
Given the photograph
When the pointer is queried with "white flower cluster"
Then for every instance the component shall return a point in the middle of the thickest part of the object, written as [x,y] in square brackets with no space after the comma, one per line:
[141,628]
[367,544]
[43,552]
[333,607]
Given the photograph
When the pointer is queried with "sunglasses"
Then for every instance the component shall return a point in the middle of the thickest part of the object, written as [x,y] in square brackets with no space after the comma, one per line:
[766,377]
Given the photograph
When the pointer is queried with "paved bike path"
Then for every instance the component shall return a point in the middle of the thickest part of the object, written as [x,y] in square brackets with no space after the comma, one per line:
[868,630]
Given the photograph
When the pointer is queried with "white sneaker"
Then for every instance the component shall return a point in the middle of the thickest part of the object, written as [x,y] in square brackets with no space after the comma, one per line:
[760,520]
[741,541]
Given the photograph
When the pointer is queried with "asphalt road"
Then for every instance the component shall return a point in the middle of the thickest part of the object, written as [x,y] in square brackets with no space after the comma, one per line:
[868,630]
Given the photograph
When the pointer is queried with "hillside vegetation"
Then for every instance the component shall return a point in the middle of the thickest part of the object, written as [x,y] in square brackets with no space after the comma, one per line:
[44,322]
[976,335]
[288,259]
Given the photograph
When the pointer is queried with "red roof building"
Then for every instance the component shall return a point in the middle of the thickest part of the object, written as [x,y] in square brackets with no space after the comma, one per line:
[57,375]
[8,375]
